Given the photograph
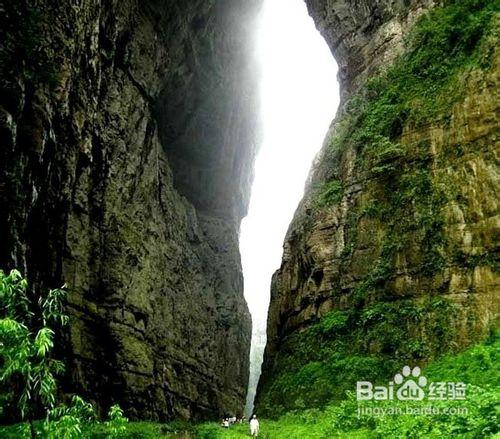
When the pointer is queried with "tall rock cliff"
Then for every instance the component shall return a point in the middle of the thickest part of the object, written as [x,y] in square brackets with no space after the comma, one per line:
[128,132]
[392,256]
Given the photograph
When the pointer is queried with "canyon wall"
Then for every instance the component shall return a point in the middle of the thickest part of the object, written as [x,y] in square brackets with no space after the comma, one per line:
[392,256]
[128,131]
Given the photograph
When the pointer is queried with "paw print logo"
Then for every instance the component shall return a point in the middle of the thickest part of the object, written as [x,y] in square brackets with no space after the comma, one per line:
[411,384]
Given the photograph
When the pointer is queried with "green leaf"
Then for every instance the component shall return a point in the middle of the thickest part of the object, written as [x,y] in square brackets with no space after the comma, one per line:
[44,341]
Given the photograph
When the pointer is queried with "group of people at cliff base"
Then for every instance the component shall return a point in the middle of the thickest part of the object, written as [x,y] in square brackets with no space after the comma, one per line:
[254,423]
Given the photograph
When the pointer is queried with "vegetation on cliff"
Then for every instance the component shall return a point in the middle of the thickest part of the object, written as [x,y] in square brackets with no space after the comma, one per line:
[423,83]
[404,196]
[323,362]
[479,419]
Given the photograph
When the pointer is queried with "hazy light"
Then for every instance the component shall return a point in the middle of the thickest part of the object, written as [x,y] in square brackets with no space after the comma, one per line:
[299,95]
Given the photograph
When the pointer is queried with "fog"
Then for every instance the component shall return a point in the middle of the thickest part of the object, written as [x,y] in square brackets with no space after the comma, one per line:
[299,97]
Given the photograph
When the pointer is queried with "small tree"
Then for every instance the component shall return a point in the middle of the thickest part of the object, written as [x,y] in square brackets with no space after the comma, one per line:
[117,424]
[27,343]
[67,422]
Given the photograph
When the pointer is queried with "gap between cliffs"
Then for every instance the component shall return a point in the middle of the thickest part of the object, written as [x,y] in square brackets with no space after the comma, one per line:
[299,97]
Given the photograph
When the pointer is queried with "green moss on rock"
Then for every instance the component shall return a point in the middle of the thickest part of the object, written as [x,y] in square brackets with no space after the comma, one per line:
[324,361]
[398,279]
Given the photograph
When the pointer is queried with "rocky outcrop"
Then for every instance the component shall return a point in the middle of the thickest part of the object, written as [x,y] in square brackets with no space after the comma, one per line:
[128,133]
[394,223]
[364,35]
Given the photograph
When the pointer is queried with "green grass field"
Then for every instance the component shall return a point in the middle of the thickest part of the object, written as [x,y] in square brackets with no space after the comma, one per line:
[477,366]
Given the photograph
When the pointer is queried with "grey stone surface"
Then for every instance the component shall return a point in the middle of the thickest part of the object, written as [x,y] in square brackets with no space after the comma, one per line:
[363,35]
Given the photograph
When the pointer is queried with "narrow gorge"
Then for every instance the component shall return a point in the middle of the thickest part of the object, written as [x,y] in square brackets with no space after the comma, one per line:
[128,134]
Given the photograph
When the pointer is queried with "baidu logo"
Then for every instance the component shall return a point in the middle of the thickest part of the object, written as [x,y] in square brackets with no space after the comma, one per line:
[410,385]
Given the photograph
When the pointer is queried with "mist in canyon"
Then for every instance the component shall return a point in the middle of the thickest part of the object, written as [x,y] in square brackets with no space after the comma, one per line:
[299,97]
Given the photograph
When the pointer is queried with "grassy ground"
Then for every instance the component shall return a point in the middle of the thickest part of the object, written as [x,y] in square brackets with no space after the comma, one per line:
[289,429]
[477,366]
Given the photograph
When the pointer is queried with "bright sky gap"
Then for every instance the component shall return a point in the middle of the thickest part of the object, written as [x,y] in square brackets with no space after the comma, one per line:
[299,97]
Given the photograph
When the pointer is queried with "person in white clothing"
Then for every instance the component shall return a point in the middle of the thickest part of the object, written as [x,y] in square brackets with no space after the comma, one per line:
[254,426]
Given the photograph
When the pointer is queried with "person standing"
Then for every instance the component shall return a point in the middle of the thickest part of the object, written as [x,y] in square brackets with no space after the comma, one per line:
[254,426]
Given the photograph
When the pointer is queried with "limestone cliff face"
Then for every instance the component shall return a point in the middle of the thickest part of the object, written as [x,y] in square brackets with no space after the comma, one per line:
[369,253]
[364,35]
[128,132]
